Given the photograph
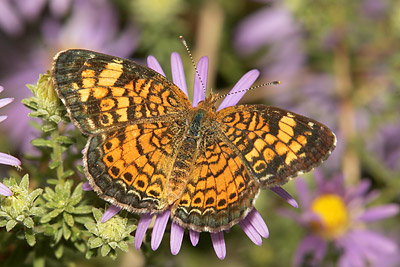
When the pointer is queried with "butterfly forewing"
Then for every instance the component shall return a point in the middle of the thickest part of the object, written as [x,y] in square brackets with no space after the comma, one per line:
[103,92]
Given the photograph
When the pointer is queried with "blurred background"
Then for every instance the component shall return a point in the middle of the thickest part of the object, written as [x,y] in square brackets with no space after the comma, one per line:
[338,63]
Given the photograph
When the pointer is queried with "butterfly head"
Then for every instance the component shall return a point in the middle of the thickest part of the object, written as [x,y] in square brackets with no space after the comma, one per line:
[208,104]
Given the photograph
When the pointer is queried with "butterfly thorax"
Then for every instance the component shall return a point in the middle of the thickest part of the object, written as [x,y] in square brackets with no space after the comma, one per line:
[198,125]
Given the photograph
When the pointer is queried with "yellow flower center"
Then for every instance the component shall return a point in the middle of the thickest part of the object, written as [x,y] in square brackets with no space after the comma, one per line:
[333,215]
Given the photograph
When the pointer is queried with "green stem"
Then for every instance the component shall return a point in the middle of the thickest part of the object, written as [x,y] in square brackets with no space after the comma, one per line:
[58,155]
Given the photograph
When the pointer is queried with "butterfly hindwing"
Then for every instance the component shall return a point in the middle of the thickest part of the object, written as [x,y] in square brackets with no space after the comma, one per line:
[274,144]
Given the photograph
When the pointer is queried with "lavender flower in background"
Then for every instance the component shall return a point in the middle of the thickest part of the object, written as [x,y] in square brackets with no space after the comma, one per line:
[274,27]
[16,14]
[92,25]
[336,214]
[386,145]
[6,158]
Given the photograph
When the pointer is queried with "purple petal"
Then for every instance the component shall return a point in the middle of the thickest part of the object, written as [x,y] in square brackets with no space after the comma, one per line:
[178,74]
[5,101]
[303,193]
[10,21]
[198,90]
[379,213]
[268,25]
[377,243]
[295,216]
[244,83]
[3,118]
[159,229]
[219,244]
[258,223]
[352,255]
[152,63]
[59,8]
[250,231]
[144,222]
[194,237]
[5,191]
[110,212]
[176,238]
[1,88]
[86,187]
[359,190]
[285,195]
[309,244]
[9,160]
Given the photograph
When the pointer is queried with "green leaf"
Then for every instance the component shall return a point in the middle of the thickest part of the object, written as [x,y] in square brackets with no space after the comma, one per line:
[58,235]
[35,194]
[59,251]
[67,174]
[105,249]
[66,231]
[84,209]
[52,181]
[4,215]
[69,219]
[37,211]
[20,218]
[54,164]
[77,191]
[66,140]
[83,219]
[10,225]
[96,242]
[92,227]
[46,218]
[54,213]
[28,222]
[80,246]
[3,223]
[25,182]
[97,214]
[48,127]
[55,118]
[50,230]
[113,245]
[30,237]
[42,142]
[80,169]
[74,200]
[39,261]
[70,208]
[49,193]
[123,246]
[89,254]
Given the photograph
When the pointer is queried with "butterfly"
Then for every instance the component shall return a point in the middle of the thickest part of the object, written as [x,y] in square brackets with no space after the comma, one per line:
[149,150]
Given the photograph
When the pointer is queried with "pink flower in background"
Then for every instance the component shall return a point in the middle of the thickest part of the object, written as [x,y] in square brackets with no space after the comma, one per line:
[338,215]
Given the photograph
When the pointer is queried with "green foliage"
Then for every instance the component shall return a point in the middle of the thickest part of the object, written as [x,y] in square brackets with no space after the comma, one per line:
[57,219]
[106,237]
[21,208]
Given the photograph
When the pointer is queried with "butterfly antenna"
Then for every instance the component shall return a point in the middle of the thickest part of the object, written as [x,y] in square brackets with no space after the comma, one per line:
[251,88]
[194,64]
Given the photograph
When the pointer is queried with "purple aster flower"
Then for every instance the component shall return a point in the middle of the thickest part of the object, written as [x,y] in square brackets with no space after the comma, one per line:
[336,214]
[253,224]
[6,158]
[92,25]
[276,28]
[386,145]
